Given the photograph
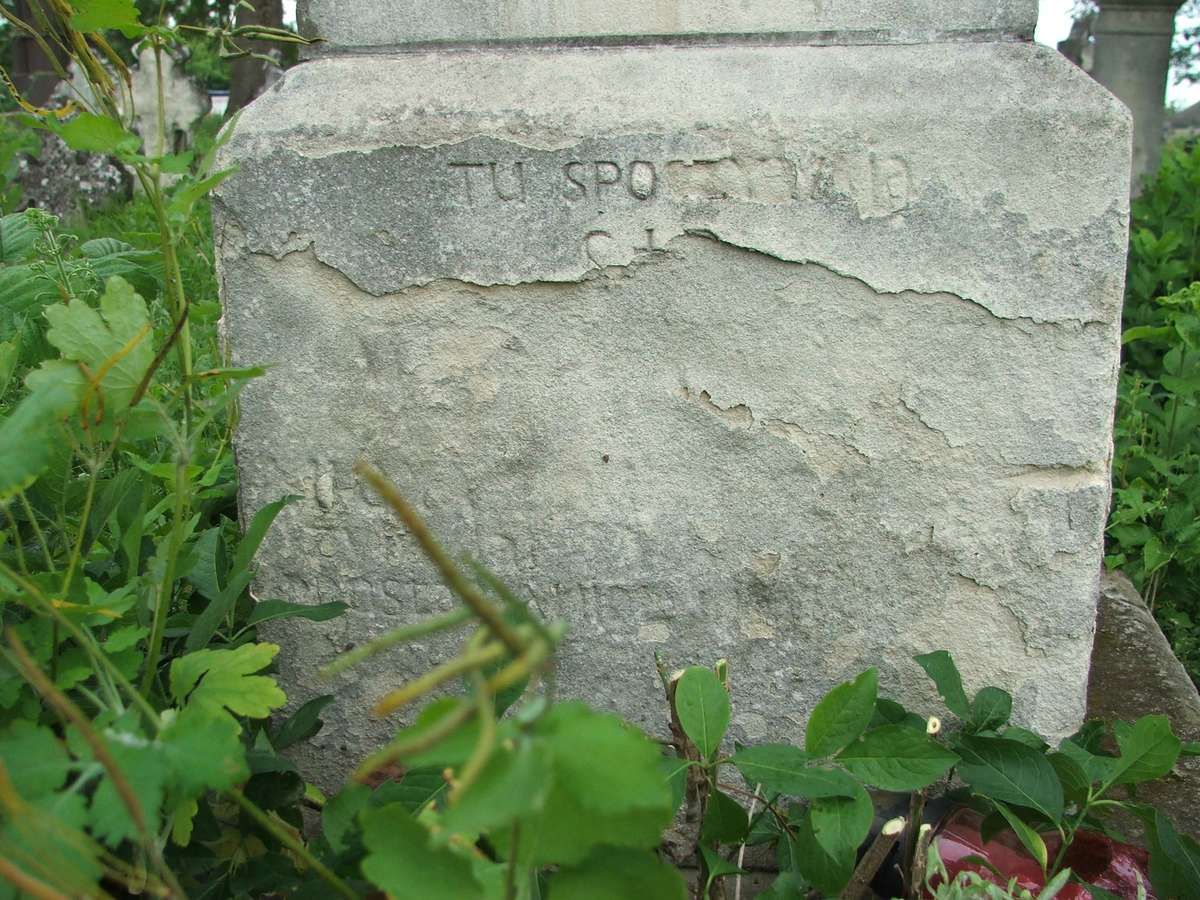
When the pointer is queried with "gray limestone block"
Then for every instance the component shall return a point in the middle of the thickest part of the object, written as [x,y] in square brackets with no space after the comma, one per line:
[397,22]
[800,356]
[1135,674]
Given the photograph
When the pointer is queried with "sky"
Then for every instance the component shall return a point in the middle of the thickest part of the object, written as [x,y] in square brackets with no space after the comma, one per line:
[1054,24]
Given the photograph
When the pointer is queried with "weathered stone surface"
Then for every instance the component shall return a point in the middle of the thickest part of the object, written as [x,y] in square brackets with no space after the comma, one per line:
[405,22]
[802,356]
[1135,674]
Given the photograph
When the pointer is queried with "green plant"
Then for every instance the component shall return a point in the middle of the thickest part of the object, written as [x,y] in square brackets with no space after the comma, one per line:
[970,885]
[134,755]
[1153,533]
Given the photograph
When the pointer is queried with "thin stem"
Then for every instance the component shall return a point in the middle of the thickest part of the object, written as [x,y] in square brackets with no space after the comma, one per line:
[510,875]
[400,635]
[16,536]
[419,687]
[407,746]
[281,834]
[71,713]
[37,530]
[77,551]
[27,883]
[450,574]
[100,662]
[486,706]
[166,591]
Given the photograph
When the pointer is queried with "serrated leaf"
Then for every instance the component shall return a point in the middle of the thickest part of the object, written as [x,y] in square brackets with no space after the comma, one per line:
[31,435]
[702,704]
[784,769]
[402,862]
[1013,773]
[939,665]
[610,872]
[990,710]
[513,785]
[897,758]
[725,821]
[146,772]
[8,364]
[95,134]
[219,679]
[203,751]
[577,736]
[34,759]
[115,344]
[123,638]
[842,715]
[17,237]
[100,15]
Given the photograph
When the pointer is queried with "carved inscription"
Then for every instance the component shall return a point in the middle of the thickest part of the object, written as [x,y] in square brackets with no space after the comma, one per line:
[515,180]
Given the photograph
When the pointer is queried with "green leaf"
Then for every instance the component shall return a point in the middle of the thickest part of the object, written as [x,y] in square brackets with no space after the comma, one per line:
[702,704]
[303,723]
[123,638]
[99,15]
[512,785]
[841,824]
[190,191]
[340,812]
[31,436]
[401,861]
[95,134]
[116,344]
[1148,750]
[1155,555]
[610,873]
[17,237]
[939,665]
[1074,778]
[33,758]
[218,679]
[828,873]
[784,769]
[629,779]
[718,866]
[889,712]
[267,610]
[842,715]
[1174,859]
[990,710]
[146,772]
[725,821]
[1030,839]
[1005,770]
[203,751]
[8,364]
[897,758]
[240,573]
[788,886]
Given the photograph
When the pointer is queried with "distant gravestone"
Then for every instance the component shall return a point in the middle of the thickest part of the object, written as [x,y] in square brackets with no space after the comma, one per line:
[780,332]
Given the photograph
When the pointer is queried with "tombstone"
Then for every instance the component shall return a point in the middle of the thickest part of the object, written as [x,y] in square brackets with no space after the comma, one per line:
[786,333]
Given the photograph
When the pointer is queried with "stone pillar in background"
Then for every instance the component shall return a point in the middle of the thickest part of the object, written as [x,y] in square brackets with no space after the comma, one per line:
[780,332]
[1132,59]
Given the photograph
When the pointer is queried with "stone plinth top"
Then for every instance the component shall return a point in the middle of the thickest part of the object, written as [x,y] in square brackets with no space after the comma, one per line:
[375,23]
